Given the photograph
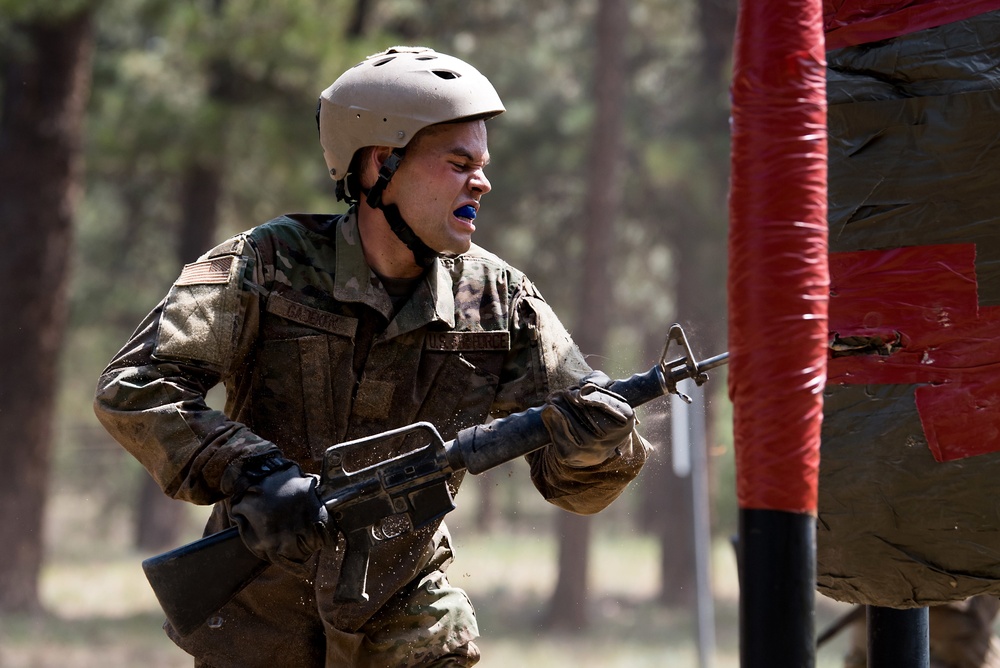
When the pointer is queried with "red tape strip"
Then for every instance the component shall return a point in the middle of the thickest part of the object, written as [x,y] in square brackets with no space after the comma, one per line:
[924,297]
[852,22]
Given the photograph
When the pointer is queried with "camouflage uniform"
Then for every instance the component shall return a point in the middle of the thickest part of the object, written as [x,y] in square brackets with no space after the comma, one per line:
[301,331]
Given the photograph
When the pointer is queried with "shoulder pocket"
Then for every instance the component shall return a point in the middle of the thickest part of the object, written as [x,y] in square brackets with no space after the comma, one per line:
[202,312]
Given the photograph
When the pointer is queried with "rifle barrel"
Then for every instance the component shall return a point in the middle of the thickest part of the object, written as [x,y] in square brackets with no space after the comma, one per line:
[483,447]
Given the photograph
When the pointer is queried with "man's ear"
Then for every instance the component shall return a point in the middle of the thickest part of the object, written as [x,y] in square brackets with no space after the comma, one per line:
[379,155]
[370,161]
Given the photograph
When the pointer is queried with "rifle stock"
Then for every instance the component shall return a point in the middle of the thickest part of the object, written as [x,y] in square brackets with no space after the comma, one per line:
[216,568]
[195,580]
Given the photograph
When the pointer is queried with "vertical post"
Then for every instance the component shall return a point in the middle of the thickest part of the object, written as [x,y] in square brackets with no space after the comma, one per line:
[688,447]
[898,638]
[702,530]
[777,584]
[778,297]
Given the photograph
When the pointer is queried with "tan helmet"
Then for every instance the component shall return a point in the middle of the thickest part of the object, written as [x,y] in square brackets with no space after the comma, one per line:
[390,96]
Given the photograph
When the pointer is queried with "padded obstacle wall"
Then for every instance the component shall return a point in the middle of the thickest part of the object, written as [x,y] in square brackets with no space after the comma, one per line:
[908,511]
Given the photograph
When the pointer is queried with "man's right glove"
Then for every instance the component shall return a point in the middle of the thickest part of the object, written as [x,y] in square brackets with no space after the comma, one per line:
[278,512]
[587,424]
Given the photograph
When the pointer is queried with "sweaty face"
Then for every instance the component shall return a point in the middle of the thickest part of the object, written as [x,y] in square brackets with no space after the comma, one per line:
[440,182]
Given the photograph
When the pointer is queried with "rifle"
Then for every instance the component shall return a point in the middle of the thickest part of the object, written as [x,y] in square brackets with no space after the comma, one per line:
[190,586]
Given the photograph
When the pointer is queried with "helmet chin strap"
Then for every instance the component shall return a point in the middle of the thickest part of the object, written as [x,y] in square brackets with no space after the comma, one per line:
[423,254]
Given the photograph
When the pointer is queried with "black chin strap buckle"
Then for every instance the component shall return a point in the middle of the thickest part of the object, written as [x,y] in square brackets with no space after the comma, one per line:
[385,172]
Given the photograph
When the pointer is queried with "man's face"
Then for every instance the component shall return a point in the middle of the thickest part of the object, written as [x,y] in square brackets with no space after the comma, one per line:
[440,177]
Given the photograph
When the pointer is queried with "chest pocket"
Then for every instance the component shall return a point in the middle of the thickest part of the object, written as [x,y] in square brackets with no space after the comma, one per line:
[465,385]
[463,390]
[408,379]
[303,378]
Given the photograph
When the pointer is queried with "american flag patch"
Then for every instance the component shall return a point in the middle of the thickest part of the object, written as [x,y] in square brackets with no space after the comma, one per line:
[214,270]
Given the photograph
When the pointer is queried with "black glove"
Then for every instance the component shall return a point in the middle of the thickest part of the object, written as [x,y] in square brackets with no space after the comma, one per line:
[588,423]
[279,514]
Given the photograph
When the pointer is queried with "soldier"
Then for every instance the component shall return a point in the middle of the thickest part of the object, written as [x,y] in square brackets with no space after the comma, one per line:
[327,328]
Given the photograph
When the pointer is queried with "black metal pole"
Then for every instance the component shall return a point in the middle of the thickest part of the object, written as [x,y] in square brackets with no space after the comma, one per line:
[777,561]
[898,638]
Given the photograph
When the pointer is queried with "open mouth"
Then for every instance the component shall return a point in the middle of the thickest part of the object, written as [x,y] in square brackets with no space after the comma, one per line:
[467,212]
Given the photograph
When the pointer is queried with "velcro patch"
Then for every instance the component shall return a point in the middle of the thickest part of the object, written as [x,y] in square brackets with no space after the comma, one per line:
[206,272]
[467,341]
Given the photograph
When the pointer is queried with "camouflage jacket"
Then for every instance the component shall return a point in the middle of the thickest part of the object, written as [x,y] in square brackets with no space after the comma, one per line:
[299,329]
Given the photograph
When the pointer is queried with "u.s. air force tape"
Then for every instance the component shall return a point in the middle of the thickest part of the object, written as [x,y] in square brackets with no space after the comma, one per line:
[468,341]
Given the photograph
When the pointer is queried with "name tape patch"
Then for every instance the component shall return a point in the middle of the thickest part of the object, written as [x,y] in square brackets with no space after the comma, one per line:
[311,317]
[467,341]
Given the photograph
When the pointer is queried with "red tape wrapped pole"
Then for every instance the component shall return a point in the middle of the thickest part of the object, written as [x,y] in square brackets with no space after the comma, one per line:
[778,296]
[779,279]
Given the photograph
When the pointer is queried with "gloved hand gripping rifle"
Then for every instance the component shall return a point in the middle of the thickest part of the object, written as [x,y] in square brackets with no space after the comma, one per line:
[195,580]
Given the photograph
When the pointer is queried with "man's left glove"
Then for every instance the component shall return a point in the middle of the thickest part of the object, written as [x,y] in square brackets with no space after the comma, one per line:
[588,423]
[278,512]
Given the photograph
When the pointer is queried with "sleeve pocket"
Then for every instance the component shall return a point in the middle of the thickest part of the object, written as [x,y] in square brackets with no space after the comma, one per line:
[202,313]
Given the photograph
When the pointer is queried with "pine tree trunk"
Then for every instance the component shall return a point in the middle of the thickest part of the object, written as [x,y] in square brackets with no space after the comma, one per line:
[45,90]
[160,519]
[568,609]
[570,602]
[701,306]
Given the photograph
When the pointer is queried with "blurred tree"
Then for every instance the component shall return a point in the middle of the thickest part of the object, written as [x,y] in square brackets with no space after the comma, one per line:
[697,133]
[45,56]
[159,519]
[568,609]
[358,25]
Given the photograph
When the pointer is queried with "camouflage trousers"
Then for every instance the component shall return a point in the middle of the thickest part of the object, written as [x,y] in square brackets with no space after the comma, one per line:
[420,627]
[430,624]
[961,636]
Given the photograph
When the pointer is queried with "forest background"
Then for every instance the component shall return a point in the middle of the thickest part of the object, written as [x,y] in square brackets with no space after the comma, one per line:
[136,134]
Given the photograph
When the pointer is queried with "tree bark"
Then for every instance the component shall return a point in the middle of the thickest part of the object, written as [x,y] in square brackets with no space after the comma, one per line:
[486,510]
[667,510]
[201,190]
[358,25]
[45,90]
[160,519]
[568,609]
[701,304]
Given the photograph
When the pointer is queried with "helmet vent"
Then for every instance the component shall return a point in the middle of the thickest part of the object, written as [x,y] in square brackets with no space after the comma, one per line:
[446,74]
[384,61]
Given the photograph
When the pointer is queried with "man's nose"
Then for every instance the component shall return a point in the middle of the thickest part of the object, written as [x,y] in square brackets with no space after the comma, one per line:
[479,183]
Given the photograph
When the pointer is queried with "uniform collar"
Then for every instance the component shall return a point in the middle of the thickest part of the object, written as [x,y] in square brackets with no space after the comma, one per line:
[433,300]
